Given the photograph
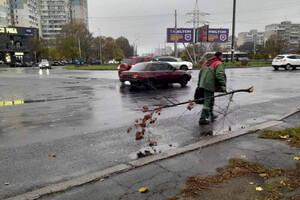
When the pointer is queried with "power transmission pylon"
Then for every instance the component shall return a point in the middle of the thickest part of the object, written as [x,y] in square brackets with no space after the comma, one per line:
[196,19]
[196,15]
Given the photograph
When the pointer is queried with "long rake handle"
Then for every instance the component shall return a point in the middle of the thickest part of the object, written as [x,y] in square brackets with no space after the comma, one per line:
[249,90]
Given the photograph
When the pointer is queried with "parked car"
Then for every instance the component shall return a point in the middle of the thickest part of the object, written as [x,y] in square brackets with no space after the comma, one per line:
[152,73]
[286,61]
[15,64]
[127,63]
[57,63]
[44,64]
[176,62]
[112,61]
[27,64]
[63,62]
[79,62]
[241,59]
[96,62]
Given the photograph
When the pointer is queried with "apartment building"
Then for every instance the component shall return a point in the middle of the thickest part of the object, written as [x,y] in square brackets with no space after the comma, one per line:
[80,12]
[56,13]
[253,37]
[4,13]
[25,13]
[289,31]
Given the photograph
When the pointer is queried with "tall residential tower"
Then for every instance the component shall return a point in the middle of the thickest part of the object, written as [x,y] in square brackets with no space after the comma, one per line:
[56,13]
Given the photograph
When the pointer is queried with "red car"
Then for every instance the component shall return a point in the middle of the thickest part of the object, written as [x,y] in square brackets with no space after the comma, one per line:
[129,62]
[151,73]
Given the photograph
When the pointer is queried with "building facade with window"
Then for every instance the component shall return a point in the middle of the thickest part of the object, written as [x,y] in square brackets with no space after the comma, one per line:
[5,13]
[25,13]
[289,31]
[15,44]
[56,13]
[252,37]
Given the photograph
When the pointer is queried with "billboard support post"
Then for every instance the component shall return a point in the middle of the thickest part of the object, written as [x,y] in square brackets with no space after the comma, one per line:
[175,44]
[193,61]
[233,30]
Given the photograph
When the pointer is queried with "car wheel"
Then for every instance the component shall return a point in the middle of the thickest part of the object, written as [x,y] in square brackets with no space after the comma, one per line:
[288,67]
[184,81]
[276,68]
[184,67]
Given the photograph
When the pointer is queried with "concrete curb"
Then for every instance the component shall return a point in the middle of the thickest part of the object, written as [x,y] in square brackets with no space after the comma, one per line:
[289,114]
[60,187]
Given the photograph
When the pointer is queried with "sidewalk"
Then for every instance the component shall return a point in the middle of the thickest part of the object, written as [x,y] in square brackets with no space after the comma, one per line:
[166,178]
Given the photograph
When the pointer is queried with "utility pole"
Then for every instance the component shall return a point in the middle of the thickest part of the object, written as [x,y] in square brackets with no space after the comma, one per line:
[254,45]
[175,44]
[233,30]
[79,48]
[100,48]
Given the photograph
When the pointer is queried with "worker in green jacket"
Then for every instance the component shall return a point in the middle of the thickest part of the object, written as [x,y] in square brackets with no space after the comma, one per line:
[212,78]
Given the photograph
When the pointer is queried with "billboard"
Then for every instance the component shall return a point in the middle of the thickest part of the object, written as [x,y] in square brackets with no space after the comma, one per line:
[202,34]
[184,35]
[218,35]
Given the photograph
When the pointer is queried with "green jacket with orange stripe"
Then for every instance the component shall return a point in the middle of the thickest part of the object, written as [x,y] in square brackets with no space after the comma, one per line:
[212,75]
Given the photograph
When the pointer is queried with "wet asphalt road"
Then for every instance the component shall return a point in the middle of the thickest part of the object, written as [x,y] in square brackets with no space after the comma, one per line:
[83,116]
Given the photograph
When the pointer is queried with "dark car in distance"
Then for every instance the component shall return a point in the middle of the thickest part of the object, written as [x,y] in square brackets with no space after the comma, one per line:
[127,63]
[95,62]
[152,73]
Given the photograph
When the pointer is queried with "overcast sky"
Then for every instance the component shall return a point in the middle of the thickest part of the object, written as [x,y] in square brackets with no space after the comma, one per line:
[145,21]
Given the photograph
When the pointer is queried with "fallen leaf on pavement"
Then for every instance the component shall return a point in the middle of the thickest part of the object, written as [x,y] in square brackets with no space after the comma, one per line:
[143,190]
[251,183]
[153,144]
[7,183]
[259,189]
[52,155]
[101,180]
[243,156]
[170,145]
[284,137]
[263,175]
[296,158]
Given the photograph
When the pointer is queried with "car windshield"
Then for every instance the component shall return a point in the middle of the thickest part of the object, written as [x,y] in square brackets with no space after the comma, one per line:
[139,67]
[127,61]
[279,57]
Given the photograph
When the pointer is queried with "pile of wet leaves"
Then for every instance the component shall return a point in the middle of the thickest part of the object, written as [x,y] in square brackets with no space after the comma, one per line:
[291,135]
[262,183]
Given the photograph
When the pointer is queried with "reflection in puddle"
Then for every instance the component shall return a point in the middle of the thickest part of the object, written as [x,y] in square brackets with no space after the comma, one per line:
[13,71]
[42,72]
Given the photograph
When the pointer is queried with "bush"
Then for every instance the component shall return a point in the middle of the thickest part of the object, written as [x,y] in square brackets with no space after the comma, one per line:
[238,64]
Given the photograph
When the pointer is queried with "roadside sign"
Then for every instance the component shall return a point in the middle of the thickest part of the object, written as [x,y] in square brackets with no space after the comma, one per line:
[202,34]
[218,35]
[184,35]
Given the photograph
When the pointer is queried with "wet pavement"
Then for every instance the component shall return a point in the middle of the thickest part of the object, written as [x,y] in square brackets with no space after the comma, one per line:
[166,178]
[83,116]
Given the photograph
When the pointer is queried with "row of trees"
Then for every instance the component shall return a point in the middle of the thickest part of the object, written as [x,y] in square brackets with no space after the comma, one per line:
[76,42]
